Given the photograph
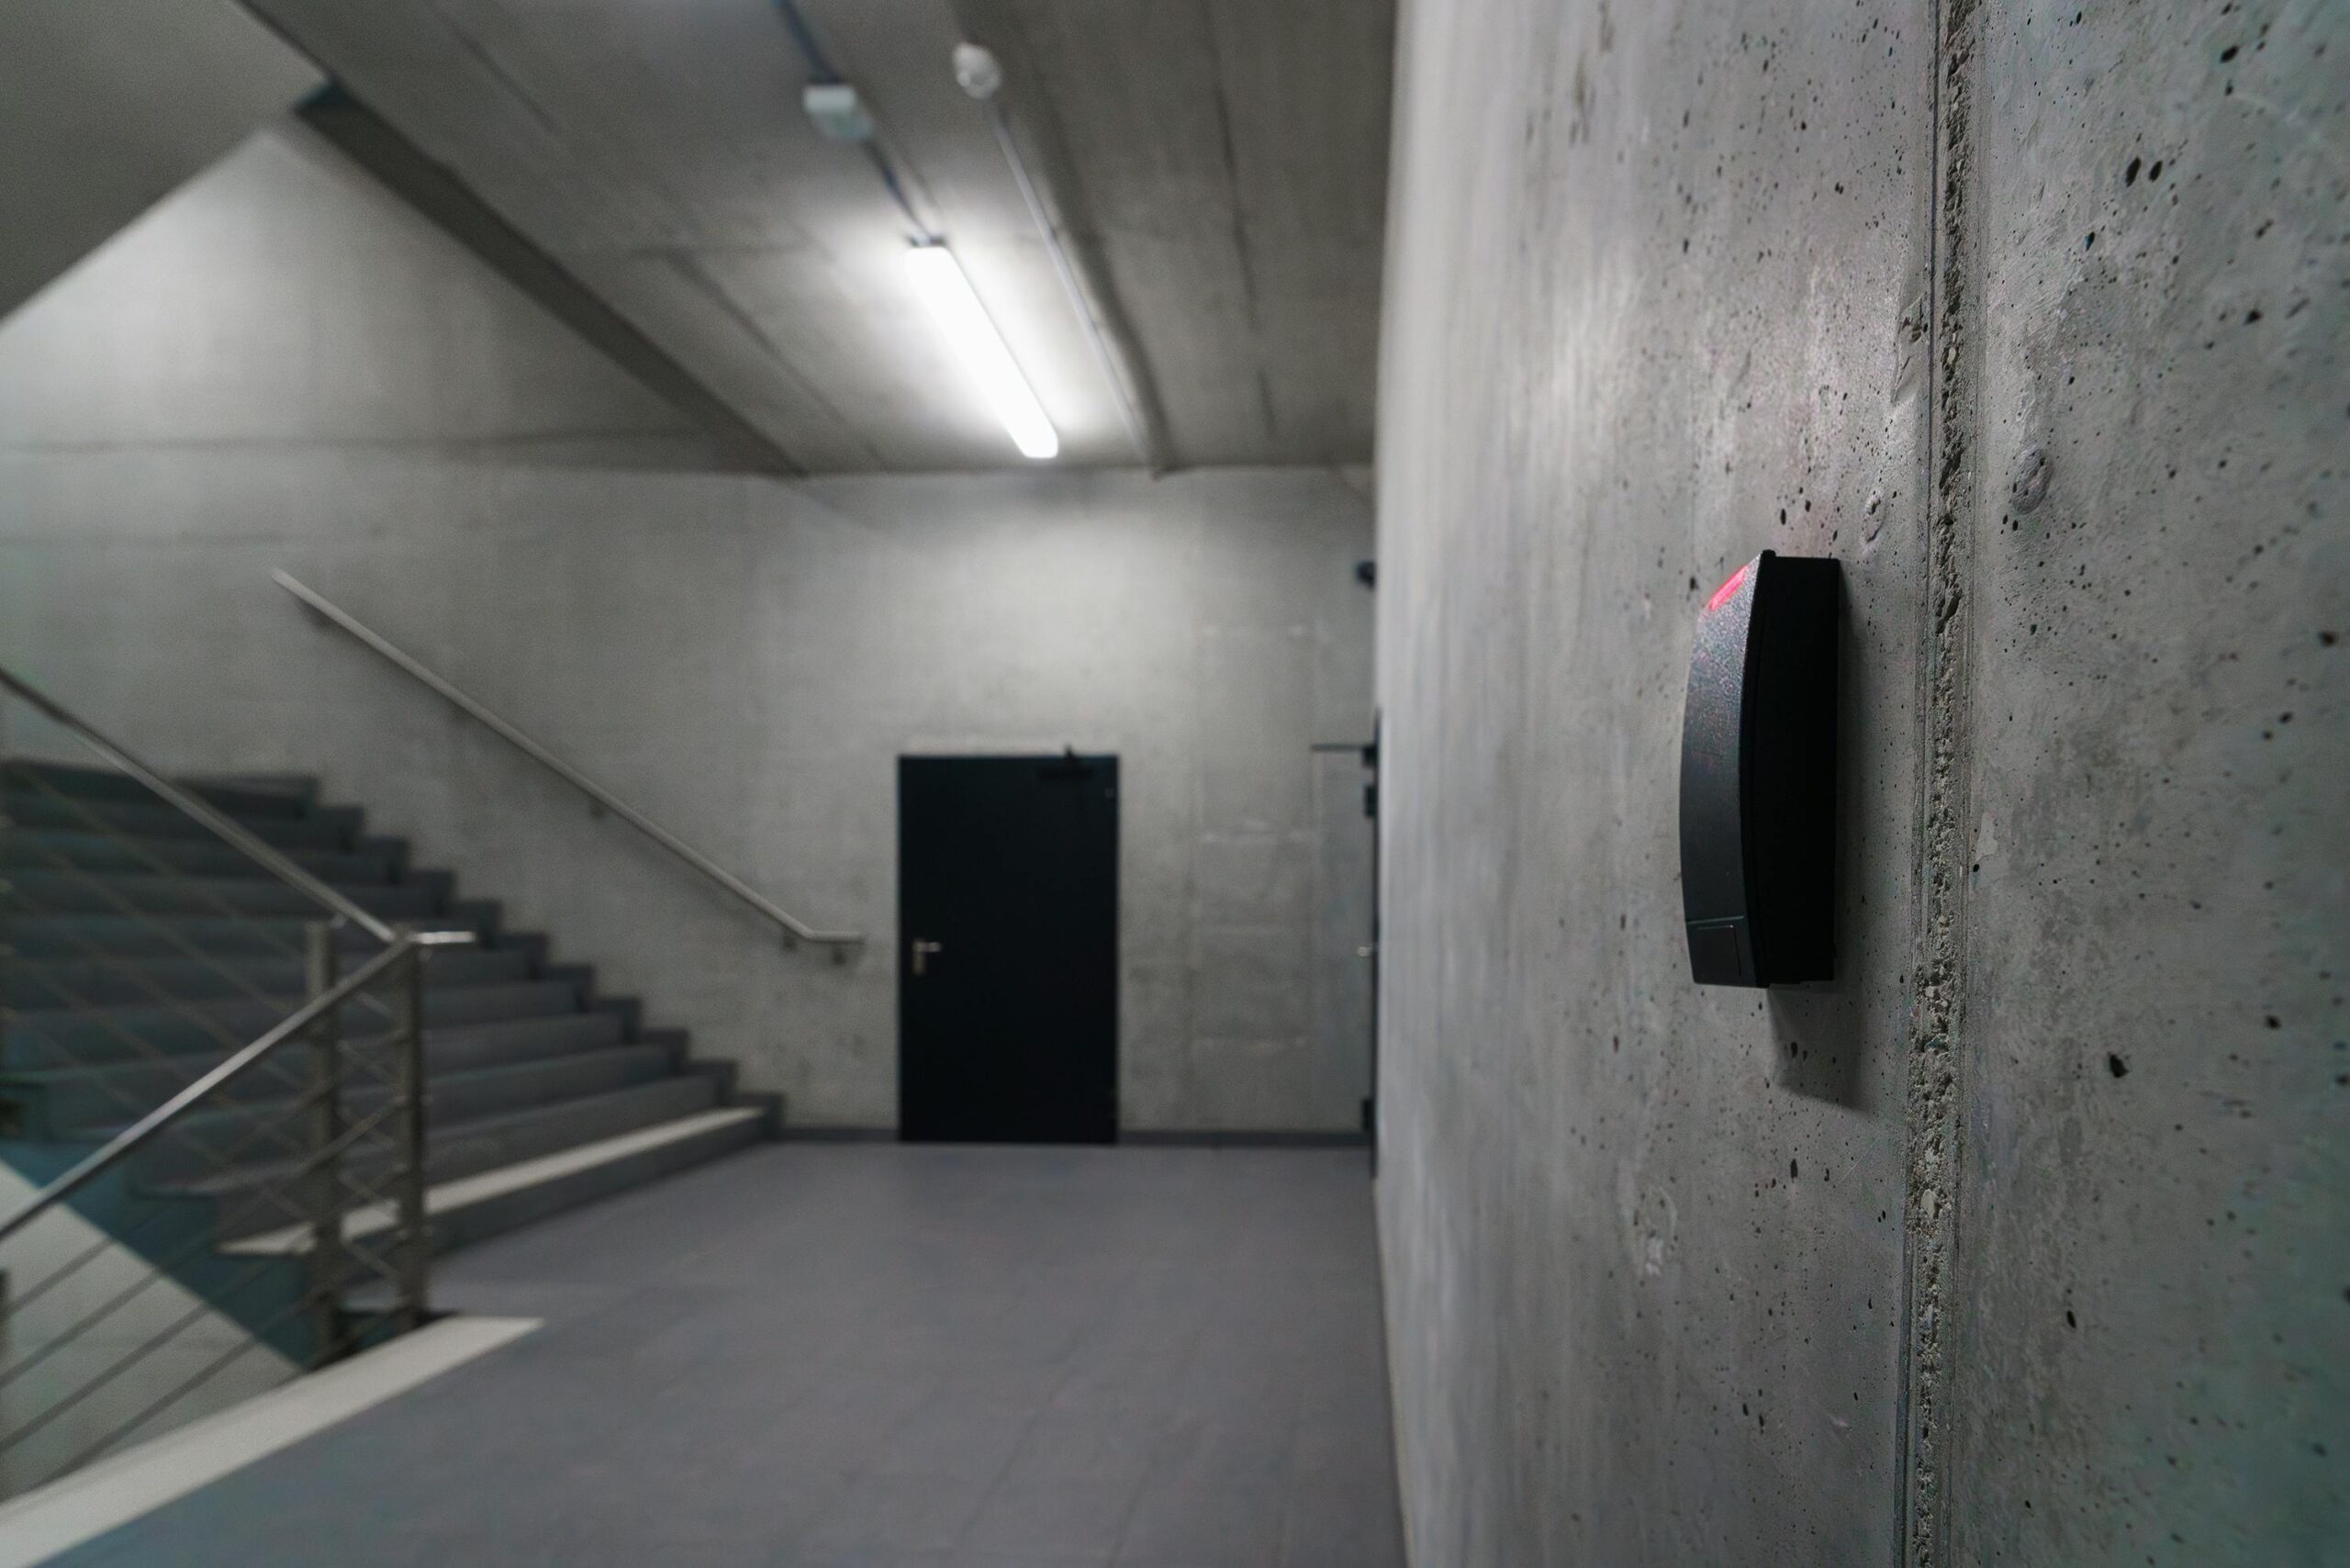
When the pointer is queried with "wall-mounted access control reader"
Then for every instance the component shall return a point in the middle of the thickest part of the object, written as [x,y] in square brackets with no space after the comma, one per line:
[1758,777]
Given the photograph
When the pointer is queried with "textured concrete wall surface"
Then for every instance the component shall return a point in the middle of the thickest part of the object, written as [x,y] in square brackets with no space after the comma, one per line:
[1655,281]
[2149,1291]
[104,109]
[2032,315]
[280,367]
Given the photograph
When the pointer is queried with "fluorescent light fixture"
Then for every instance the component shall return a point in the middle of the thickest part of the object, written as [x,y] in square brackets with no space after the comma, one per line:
[940,277]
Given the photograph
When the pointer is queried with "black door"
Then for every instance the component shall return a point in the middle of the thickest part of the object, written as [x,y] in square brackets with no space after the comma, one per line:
[1008,949]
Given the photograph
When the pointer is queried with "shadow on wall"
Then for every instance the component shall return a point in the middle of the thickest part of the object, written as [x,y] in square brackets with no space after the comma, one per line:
[1821,1030]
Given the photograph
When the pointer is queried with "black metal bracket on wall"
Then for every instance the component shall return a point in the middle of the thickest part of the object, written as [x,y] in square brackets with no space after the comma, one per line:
[1368,751]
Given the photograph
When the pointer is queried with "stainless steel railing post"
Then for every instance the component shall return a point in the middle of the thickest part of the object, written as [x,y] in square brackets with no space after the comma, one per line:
[325,1174]
[415,1234]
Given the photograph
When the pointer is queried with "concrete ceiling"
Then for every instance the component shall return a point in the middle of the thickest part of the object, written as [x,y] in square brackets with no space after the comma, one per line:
[1220,163]
[101,116]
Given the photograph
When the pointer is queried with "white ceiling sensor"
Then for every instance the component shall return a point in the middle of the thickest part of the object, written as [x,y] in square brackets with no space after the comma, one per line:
[837,112]
[977,71]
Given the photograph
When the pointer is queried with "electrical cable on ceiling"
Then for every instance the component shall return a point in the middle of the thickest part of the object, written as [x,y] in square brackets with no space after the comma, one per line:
[1127,413]
[821,72]
[980,76]
[975,69]
[819,68]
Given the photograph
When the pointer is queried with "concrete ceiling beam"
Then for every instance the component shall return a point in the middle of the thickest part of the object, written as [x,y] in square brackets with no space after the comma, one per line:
[106,109]
[441,195]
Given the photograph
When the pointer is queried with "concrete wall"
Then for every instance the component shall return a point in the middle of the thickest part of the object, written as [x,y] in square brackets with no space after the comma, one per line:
[281,368]
[104,108]
[1651,272]
[1672,284]
[2149,1291]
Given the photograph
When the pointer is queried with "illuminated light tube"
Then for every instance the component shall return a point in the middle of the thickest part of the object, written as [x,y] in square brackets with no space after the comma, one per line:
[940,278]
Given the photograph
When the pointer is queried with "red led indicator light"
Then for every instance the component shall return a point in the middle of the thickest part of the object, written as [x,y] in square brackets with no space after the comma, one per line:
[1730,586]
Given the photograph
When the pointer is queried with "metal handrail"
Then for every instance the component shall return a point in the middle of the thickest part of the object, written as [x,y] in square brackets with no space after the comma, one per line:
[522,741]
[132,1138]
[222,826]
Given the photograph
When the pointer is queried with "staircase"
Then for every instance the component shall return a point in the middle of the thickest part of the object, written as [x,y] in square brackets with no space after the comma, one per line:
[137,947]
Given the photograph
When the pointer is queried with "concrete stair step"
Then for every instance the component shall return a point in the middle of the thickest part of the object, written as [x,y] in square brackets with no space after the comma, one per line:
[275,1128]
[35,848]
[74,936]
[464,1148]
[51,1101]
[540,1098]
[502,1198]
[521,1039]
[109,892]
[76,1045]
[459,1148]
[322,827]
[103,1033]
[288,797]
[46,984]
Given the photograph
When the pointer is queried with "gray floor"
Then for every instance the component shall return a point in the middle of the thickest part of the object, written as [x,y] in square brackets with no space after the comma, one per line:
[866,1354]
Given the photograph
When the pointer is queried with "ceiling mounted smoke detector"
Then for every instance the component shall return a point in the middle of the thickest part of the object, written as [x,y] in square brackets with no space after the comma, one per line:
[976,71]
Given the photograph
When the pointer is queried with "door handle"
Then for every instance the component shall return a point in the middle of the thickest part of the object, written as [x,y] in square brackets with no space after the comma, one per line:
[922,952]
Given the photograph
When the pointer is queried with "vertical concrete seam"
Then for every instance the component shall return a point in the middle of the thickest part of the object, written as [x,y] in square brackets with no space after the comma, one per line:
[1933,1109]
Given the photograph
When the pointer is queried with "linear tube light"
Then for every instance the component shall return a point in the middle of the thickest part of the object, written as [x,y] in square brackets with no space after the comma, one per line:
[948,293]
